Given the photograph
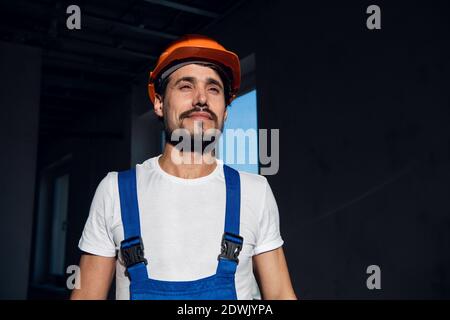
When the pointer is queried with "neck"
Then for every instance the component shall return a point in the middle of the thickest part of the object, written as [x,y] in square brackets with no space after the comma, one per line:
[186,165]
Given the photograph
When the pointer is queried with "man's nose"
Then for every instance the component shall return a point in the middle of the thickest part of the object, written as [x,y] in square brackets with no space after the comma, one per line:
[200,97]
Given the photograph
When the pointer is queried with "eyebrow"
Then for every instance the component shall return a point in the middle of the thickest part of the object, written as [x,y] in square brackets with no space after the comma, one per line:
[214,81]
[209,80]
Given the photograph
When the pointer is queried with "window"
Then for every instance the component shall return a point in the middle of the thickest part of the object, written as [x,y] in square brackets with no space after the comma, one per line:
[241,127]
[51,223]
[242,153]
[59,224]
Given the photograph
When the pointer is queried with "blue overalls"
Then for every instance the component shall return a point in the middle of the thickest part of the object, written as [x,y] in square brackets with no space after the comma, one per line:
[220,286]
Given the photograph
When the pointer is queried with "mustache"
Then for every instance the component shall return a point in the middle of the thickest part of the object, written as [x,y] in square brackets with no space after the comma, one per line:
[187,113]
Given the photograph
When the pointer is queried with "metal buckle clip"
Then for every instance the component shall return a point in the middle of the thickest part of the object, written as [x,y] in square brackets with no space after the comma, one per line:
[231,246]
[132,250]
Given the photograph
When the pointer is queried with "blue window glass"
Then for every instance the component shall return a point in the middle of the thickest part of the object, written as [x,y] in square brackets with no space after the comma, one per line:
[242,114]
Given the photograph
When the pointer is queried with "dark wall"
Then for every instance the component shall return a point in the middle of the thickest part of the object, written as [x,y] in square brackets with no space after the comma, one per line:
[20,74]
[364,140]
[93,158]
[364,145]
[101,142]
[145,126]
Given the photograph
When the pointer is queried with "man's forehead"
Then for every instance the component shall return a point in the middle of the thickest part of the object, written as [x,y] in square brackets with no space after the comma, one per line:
[195,71]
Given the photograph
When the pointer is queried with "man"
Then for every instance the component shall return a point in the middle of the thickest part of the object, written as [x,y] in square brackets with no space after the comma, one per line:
[186,229]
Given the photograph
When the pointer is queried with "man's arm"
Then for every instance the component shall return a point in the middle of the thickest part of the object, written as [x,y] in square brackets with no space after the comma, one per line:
[96,274]
[272,274]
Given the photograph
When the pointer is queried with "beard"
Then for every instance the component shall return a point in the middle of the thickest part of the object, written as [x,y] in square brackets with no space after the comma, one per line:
[200,139]
[198,142]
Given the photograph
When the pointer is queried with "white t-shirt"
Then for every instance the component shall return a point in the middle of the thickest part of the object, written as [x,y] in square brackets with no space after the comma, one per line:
[182,222]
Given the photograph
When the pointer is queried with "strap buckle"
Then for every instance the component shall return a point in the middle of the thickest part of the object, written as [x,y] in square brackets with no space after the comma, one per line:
[132,250]
[231,246]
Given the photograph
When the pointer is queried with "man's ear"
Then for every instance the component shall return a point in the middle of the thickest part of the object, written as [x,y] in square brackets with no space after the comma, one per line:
[158,105]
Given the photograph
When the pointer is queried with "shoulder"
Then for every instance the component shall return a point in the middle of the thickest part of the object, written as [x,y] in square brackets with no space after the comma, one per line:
[105,193]
[252,180]
[109,185]
[254,188]
[105,188]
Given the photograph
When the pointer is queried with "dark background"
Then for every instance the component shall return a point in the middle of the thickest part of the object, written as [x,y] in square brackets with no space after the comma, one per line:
[363,118]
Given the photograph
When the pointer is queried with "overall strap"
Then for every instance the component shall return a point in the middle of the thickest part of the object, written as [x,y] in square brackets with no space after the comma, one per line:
[231,241]
[132,247]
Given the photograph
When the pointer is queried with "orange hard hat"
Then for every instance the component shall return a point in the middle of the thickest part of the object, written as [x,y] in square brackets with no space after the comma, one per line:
[197,47]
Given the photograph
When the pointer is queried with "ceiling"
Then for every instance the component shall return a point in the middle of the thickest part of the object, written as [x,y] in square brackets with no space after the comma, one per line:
[119,42]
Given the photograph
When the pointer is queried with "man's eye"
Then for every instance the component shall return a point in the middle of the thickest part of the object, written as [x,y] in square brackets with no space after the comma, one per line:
[185,86]
[216,90]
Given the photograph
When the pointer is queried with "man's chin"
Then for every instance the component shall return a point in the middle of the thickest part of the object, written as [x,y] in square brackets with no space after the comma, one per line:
[205,129]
